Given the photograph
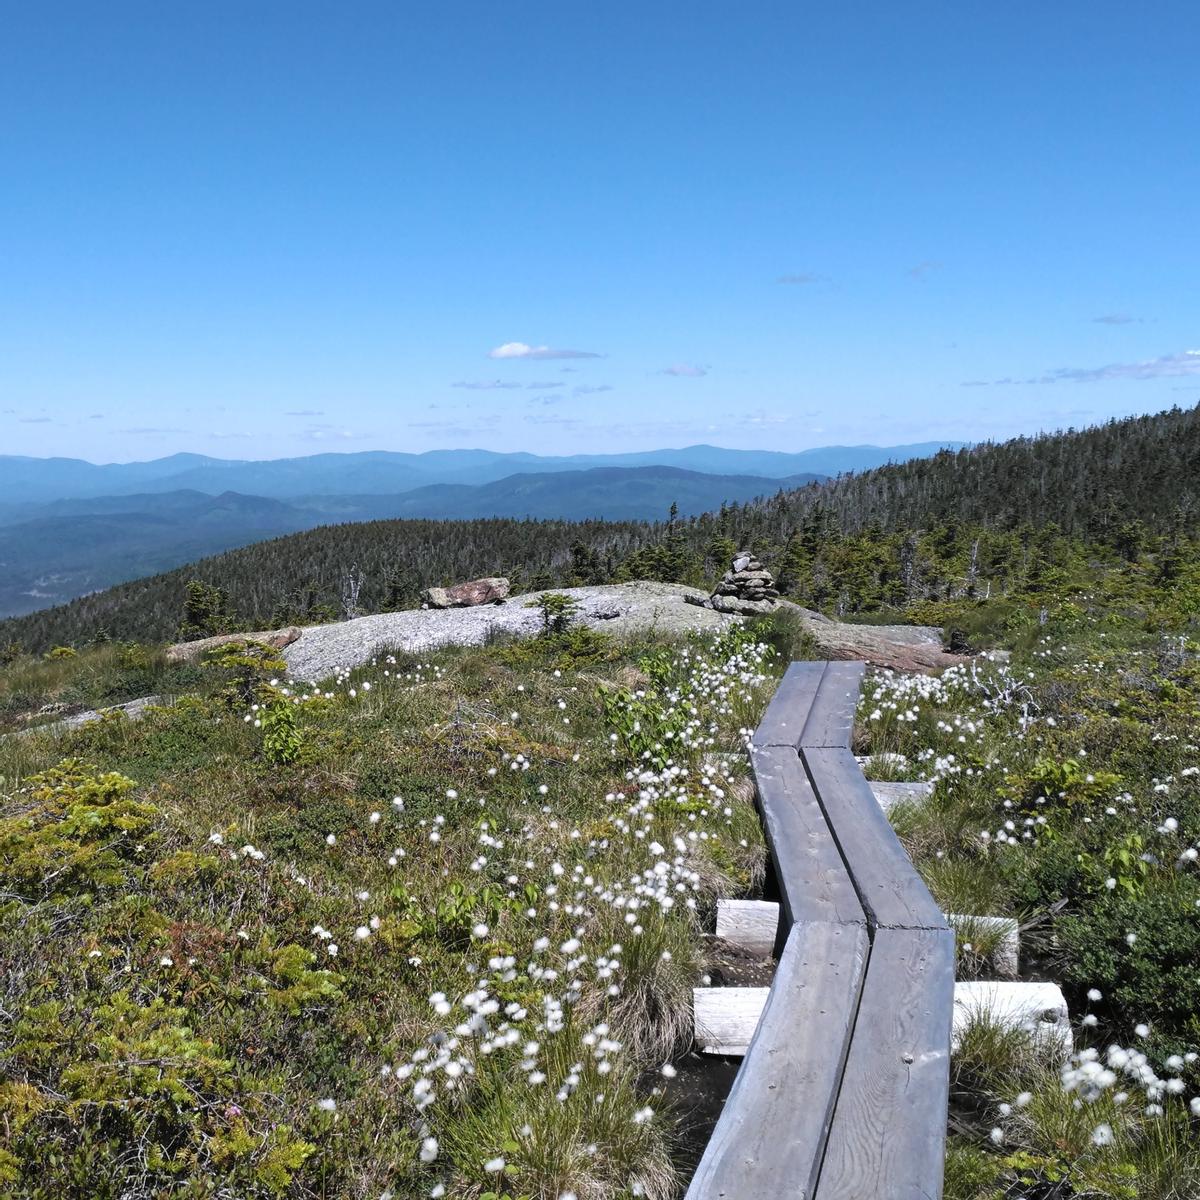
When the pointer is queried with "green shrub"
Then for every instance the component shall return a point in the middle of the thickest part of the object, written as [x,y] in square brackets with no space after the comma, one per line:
[282,739]
[1152,980]
[78,830]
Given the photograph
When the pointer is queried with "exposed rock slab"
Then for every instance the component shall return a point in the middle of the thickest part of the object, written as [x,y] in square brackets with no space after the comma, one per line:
[914,648]
[620,609]
[193,651]
[133,709]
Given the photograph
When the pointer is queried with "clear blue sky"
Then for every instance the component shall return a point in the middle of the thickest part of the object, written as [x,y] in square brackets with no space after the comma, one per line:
[264,229]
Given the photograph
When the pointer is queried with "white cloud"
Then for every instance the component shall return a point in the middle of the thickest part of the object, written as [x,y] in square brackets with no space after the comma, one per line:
[523,350]
[486,385]
[684,371]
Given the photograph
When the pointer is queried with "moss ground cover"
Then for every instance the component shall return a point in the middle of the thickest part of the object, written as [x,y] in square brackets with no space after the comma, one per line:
[429,929]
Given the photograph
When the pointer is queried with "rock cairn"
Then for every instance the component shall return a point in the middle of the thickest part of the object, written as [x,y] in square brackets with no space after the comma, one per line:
[746,588]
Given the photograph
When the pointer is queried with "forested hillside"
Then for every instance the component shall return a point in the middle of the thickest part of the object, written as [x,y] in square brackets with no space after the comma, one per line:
[963,523]
[301,576]
[50,554]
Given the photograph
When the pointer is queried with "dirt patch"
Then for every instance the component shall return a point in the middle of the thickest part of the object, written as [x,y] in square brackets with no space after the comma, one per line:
[728,965]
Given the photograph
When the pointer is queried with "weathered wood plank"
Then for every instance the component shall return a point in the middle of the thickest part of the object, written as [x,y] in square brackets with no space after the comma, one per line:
[769,1140]
[888,795]
[814,884]
[751,924]
[892,893]
[726,1018]
[831,718]
[887,1140]
[783,721]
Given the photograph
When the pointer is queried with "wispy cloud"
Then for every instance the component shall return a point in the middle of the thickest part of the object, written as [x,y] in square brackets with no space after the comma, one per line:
[684,371]
[34,421]
[485,424]
[589,389]
[304,412]
[1117,319]
[760,418]
[803,279]
[323,431]
[553,419]
[542,385]
[924,268]
[1167,366]
[486,385]
[149,430]
[556,398]
[523,350]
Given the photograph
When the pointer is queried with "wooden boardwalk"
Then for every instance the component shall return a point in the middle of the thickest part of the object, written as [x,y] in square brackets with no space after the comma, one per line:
[843,1090]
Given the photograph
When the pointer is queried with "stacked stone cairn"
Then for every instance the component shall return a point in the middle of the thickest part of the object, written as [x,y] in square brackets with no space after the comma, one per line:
[747,588]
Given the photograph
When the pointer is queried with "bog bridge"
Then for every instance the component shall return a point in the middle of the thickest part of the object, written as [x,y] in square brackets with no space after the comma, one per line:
[842,1094]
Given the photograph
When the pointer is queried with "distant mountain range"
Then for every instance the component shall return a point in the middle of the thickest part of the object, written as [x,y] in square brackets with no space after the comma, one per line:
[53,552]
[69,527]
[30,481]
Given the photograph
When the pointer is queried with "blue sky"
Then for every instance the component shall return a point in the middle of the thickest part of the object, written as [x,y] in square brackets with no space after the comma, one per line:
[268,229]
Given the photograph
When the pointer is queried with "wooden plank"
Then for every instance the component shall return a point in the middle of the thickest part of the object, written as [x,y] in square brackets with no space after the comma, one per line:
[891,891]
[769,1139]
[889,795]
[784,719]
[887,1140]
[751,924]
[814,884]
[831,717]
[726,1018]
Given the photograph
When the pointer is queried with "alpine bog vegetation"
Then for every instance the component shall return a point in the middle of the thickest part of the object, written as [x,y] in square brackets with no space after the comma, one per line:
[1067,795]
[432,933]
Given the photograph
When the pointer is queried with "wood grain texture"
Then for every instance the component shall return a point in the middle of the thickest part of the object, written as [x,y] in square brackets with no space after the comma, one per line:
[830,720]
[887,1140]
[726,1018]
[785,716]
[888,795]
[751,924]
[770,1138]
[891,891]
[814,884]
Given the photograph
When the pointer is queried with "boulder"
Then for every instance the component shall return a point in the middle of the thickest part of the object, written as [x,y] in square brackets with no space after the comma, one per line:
[193,651]
[492,590]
